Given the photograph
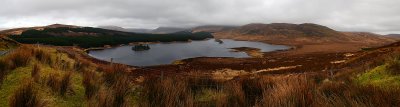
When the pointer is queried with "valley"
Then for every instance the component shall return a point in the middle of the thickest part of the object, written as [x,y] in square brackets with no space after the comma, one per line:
[259,65]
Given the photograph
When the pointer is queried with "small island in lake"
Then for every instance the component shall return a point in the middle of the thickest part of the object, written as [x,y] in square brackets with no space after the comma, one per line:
[141,47]
[219,41]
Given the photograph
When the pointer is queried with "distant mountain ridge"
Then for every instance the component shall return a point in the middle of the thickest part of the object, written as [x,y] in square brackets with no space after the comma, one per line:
[394,36]
[159,30]
[117,28]
[166,30]
[212,28]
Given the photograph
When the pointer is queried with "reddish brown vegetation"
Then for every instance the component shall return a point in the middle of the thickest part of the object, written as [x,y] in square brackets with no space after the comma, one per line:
[90,84]
[265,91]
[112,91]
[113,72]
[18,58]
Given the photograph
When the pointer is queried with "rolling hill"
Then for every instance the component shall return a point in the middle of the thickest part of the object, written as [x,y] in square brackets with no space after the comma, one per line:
[308,37]
[212,28]
[296,34]
[67,35]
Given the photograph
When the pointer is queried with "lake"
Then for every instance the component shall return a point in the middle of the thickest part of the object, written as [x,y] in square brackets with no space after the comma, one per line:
[167,53]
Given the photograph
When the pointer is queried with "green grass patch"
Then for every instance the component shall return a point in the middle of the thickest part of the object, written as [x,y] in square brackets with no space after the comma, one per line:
[12,81]
[75,97]
[380,77]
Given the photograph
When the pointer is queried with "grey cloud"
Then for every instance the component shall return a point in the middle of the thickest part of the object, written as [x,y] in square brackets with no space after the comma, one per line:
[346,15]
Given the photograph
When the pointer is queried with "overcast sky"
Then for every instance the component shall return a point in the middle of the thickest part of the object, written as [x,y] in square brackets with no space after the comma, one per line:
[379,16]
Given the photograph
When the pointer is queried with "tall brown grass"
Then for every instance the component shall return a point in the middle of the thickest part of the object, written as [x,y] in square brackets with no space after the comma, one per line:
[59,84]
[298,90]
[114,89]
[90,83]
[53,81]
[26,96]
[81,65]
[169,92]
[65,83]
[113,72]
[121,89]
[18,58]
[3,69]
[35,73]
[42,56]
[393,64]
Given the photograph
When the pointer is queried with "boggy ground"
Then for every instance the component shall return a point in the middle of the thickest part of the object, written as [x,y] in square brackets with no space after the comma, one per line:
[270,63]
[60,76]
[294,60]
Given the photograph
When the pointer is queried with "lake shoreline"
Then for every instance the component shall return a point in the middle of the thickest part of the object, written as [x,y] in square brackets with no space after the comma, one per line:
[137,43]
[230,49]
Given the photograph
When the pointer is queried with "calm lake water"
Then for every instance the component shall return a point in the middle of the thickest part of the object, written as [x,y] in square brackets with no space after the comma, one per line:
[166,53]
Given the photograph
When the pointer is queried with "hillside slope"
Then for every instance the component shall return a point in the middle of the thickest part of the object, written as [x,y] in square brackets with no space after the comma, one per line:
[296,34]
[308,37]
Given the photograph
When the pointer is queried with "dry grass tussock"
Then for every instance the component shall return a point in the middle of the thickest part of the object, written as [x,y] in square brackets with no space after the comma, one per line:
[26,96]
[60,84]
[111,90]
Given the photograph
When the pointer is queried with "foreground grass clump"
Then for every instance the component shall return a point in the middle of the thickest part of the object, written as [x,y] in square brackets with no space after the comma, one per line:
[112,91]
[19,58]
[59,84]
[381,77]
[26,96]
[170,92]
[3,68]
[90,83]
[386,76]
[43,65]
